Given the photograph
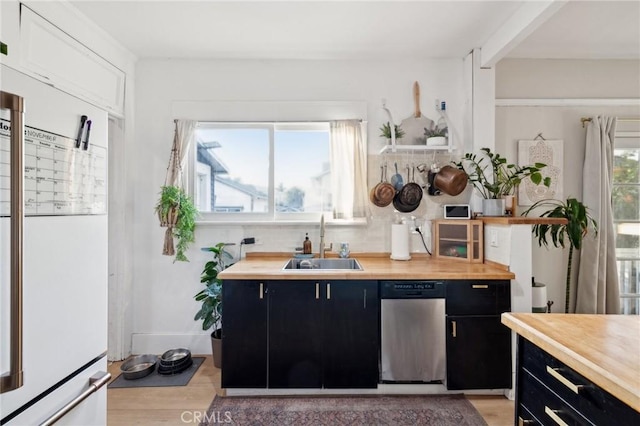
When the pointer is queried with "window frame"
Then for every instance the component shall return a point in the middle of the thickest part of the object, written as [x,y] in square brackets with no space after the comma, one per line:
[625,140]
[271,216]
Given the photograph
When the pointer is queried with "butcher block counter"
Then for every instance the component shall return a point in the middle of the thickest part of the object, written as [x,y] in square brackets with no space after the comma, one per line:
[375,266]
[603,349]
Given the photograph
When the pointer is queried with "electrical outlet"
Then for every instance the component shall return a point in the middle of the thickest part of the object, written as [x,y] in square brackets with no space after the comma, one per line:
[258,241]
[493,238]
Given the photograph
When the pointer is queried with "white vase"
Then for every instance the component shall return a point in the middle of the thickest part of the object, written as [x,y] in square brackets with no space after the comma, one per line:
[493,207]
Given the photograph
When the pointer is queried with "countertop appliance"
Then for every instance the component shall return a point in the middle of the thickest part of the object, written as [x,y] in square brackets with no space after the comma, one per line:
[413,346]
[53,234]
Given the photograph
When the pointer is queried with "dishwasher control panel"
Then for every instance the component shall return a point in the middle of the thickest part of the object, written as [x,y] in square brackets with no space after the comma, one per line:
[412,289]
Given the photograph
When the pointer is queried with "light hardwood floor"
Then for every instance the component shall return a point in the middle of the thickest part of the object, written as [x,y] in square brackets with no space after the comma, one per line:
[184,405]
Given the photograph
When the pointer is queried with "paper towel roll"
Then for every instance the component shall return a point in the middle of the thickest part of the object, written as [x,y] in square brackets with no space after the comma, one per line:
[400,241]
[539,298]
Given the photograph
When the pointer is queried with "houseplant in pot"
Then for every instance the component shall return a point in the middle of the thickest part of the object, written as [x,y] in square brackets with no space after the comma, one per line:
[579,222]
[385,131]
[495,178]
[177,213]
[210,311]
[436,136]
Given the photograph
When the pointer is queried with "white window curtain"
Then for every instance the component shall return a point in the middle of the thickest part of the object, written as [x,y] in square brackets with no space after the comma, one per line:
[183,135]
[349,164]
[597,286]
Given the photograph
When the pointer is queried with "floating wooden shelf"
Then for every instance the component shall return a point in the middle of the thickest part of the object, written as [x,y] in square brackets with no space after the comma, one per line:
[522,220]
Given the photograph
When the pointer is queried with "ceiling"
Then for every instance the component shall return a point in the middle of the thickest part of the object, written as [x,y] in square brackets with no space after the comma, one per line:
[361,29]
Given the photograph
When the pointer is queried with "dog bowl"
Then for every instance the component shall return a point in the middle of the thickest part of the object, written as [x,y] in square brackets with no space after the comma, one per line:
[138,366]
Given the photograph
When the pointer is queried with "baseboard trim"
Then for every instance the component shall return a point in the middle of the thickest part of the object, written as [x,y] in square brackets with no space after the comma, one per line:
[149,343]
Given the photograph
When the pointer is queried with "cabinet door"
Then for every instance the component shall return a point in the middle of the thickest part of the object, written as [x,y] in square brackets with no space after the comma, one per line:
[295,334]
[351,334]
[244,334]
[478,353]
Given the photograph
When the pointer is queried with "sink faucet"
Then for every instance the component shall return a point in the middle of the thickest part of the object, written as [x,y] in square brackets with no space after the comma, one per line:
[322,246]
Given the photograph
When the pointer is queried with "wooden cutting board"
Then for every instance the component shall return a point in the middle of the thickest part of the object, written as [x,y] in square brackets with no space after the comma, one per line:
[415,124]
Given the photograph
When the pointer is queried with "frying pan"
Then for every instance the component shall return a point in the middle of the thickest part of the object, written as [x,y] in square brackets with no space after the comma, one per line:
[409,197]
[382,194]
[415,124]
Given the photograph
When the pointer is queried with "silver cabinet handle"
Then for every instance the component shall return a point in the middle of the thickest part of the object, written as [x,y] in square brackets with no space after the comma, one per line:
[317,290]
[261,290]
[454,332]
[96,381]
[13,378]
[523,422]
[554,416]
[328,291]
[476,286]
[555,373]
[364,299]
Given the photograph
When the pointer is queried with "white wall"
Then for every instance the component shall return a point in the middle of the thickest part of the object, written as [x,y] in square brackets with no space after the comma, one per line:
[163,290]
[568,79]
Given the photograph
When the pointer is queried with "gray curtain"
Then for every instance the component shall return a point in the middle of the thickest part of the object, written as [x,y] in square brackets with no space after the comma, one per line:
[597,287]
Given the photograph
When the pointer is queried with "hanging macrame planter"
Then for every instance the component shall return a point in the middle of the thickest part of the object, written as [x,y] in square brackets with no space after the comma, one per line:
[169,206]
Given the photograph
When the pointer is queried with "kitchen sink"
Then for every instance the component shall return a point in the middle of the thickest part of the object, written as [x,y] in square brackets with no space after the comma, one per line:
[322,264]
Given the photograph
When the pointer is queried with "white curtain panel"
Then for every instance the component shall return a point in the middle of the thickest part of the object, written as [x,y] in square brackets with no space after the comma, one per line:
[183,135]
[348,164]
[597,286]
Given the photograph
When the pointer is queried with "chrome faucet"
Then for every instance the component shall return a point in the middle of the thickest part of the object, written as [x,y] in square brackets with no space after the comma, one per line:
[322,246]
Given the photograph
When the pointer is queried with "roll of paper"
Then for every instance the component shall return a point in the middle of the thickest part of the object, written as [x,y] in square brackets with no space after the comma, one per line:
[400,241]
[539,298]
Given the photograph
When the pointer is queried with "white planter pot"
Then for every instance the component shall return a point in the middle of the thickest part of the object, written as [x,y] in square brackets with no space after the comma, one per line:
[493,207]
[437,141]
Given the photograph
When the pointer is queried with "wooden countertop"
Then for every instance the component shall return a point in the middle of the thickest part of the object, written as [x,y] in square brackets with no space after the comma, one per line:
[603,348]
[375,266]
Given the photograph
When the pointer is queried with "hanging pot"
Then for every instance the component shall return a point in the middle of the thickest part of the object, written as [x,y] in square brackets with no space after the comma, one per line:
[382,194]
[409,197]
[451,180]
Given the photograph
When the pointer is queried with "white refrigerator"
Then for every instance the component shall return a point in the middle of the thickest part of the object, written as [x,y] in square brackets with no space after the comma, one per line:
[53,270]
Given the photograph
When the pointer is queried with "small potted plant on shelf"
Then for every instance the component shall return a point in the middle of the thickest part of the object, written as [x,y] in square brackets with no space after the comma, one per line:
[386,131]
[579,221]
[210,311]
[436,136]
[495,178]
[178,214]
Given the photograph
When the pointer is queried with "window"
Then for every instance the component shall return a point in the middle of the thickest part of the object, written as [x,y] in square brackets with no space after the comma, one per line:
[626,213]
[262,171]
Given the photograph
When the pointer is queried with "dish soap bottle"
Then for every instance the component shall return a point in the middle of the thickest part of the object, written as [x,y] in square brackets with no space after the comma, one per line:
[306,245]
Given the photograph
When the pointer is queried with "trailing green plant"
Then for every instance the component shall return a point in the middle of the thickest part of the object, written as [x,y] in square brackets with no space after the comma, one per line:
[579,222]
[493,177]
[177,212]
[386,131]
[210,311]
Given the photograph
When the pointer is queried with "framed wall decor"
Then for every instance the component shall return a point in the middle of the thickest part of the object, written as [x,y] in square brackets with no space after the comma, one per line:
[544,151]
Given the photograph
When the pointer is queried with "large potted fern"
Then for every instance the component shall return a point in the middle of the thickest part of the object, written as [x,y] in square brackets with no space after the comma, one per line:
[579,222]
[210,311]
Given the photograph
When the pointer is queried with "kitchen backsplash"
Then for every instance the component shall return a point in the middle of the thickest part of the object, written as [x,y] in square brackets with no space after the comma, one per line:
[374,236]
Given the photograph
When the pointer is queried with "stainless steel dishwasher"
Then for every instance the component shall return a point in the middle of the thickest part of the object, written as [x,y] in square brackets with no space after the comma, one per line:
[413,346]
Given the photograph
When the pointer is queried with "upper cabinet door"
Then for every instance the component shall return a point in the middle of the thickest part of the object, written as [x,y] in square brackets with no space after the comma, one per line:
[49,54]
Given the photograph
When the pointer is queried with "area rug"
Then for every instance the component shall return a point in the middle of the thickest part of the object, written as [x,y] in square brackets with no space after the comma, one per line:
[410,410]
[156,380]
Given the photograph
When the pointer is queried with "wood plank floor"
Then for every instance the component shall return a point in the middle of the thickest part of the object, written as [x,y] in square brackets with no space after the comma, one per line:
[187,404]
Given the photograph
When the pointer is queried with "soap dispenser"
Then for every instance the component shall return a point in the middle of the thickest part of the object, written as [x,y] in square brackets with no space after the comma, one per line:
[306,245]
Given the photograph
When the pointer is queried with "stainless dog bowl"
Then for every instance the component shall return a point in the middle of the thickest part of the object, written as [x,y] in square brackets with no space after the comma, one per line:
[138,366]
[175,357]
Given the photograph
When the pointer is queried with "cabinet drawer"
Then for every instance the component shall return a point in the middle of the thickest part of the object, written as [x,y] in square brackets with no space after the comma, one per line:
[525,418]
[478,297]
[589,399]
[545,405]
